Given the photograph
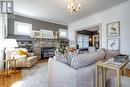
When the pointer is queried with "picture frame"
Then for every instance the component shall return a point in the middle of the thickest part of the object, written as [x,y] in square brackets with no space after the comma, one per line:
[36,34]
[48,34]
[113,29]
[113,44]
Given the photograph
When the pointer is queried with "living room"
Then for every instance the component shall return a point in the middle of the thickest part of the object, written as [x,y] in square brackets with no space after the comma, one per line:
[68,43]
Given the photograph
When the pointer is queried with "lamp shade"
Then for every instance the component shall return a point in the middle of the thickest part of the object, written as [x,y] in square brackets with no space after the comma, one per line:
[10,43]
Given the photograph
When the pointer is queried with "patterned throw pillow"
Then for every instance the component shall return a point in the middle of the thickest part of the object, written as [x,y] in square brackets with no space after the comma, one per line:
[72,55]
[65,58]
[61,57]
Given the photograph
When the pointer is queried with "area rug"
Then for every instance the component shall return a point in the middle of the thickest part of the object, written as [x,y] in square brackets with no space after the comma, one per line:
[36,76]
[26,72]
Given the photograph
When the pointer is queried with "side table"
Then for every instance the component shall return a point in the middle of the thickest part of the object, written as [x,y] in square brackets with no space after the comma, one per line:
[104,66]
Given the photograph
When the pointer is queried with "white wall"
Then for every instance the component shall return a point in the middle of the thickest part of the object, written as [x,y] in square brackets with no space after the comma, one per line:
[120,13]
[2,23]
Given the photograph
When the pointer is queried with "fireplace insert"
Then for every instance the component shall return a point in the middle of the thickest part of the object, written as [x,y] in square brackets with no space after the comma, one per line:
[47,52]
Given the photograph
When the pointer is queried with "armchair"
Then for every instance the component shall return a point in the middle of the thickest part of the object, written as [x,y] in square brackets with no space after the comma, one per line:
[22,61]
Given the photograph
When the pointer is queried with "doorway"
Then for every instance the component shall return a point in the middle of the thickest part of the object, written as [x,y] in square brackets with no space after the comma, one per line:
[88,40]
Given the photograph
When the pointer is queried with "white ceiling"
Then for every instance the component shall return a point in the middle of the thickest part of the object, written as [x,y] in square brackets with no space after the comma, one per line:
[55,10]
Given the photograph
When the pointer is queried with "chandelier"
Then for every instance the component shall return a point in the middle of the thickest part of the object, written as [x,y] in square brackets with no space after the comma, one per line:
[73,6]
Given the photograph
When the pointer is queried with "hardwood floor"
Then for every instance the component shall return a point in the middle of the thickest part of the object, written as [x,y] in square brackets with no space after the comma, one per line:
[14,76]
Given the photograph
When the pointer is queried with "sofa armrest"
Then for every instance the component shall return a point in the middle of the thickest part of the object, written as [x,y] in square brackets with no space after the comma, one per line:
[60,74]
[31,54]
[32,58]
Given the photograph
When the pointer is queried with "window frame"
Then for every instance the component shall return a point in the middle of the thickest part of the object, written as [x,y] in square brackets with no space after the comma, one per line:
[16,32]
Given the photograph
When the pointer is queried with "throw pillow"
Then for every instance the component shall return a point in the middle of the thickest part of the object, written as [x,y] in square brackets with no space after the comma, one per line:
[15,55]
[65,58]
[61,57]
[71,55]
[22,51]
[86,59]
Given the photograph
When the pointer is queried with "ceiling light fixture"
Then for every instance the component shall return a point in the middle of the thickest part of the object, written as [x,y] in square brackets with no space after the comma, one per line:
[73,6]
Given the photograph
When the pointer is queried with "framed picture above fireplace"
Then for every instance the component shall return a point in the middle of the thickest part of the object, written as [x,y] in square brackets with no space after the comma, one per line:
[47,34]
[36,34]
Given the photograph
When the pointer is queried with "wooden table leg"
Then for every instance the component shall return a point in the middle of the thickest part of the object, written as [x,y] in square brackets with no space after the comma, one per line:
[118,78]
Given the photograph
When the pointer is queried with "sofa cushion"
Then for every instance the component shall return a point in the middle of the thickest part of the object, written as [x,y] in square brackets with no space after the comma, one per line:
[86,59]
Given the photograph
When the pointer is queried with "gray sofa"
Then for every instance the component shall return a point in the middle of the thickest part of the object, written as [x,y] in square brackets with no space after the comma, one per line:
[63,75]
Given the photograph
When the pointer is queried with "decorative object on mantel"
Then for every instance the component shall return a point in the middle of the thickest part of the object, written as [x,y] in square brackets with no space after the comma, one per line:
[55,35]
[113,44]
[47,34]
[73,6]
[113,29]
[36,34]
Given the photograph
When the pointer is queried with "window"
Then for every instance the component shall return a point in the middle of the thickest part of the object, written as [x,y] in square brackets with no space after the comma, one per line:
[82,41]
[63,33]
[22,28]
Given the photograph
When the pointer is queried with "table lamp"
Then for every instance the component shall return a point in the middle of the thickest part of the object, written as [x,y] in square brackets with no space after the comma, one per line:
[10,45]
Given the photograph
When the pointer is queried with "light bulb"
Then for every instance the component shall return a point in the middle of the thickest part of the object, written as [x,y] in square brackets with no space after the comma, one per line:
[68,6]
